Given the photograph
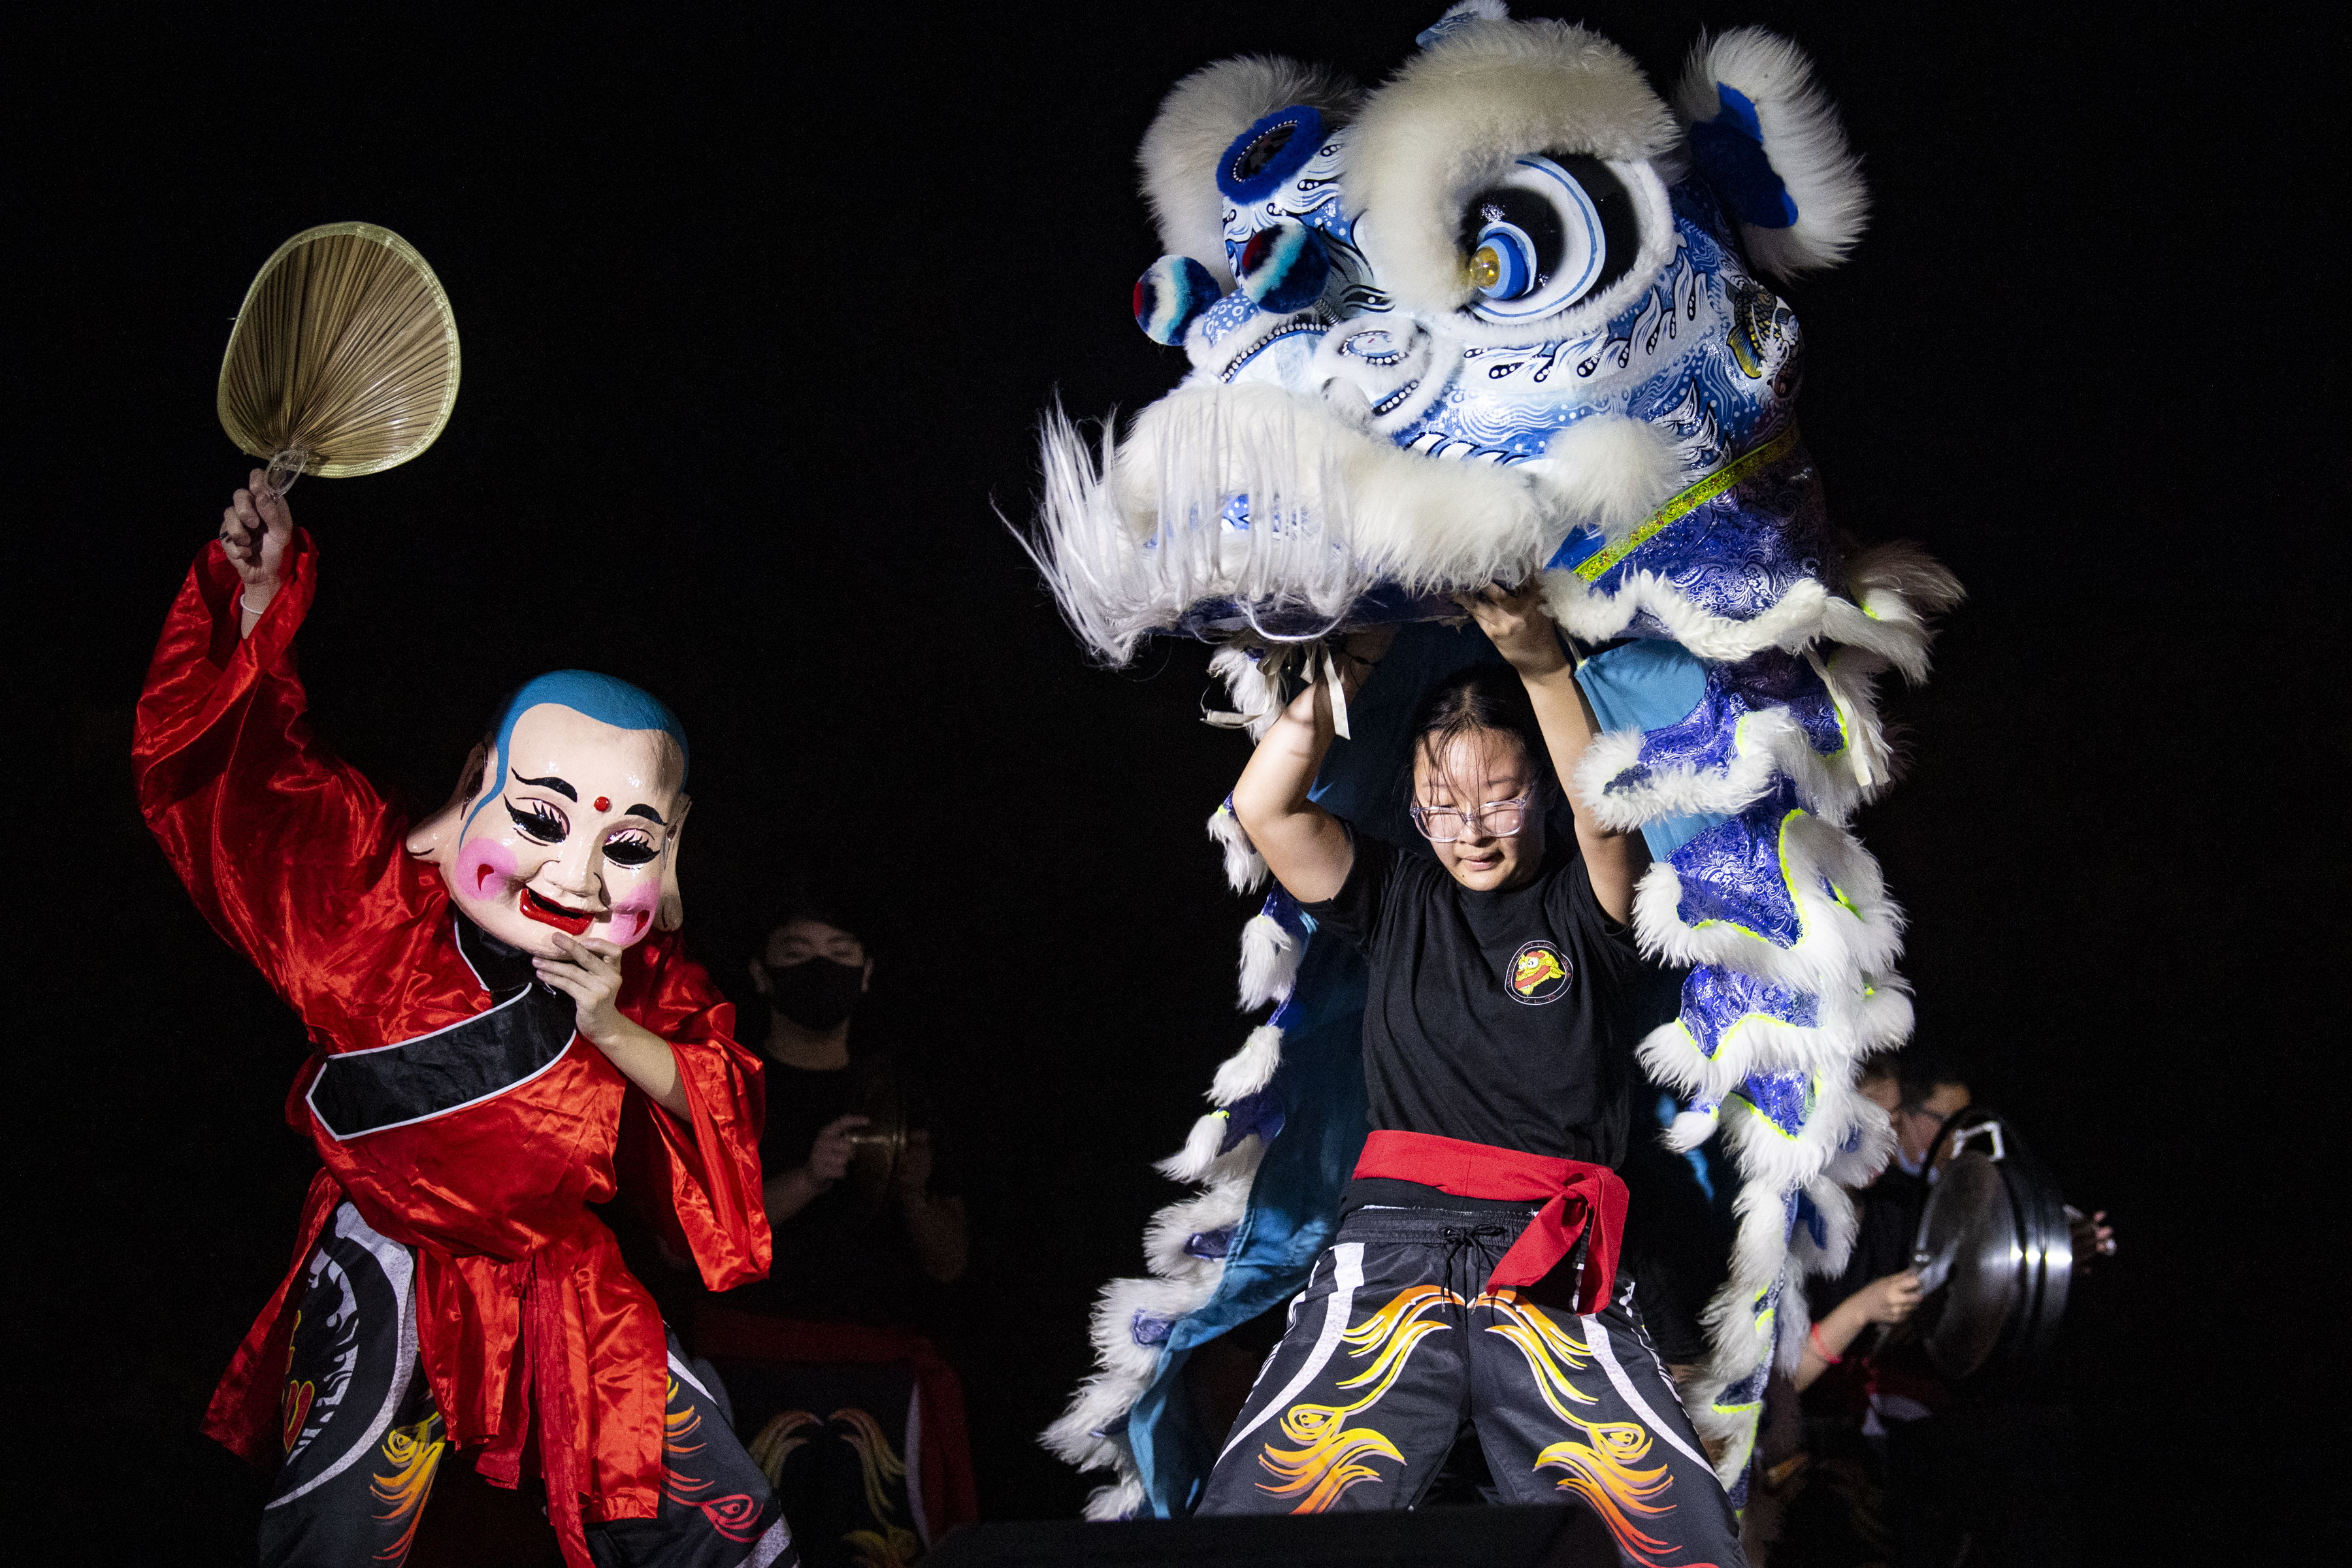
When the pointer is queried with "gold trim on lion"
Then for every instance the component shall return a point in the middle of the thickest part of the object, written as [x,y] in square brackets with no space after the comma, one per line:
[1594,567]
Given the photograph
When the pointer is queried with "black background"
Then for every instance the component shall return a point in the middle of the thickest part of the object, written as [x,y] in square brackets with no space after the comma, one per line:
[759,307]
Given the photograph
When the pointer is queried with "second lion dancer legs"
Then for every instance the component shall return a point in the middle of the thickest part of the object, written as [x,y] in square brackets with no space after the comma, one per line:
[1397,1345]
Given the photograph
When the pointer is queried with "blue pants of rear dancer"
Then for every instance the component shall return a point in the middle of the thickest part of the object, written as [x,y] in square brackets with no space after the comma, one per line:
[1397,1345]
[364,1438]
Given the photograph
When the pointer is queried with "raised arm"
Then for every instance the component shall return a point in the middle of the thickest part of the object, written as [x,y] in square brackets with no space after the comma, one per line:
[1305,846]
[276,838]
[1523,631]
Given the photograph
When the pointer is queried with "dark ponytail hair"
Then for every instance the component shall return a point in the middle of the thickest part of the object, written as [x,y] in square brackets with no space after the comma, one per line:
[1488,697]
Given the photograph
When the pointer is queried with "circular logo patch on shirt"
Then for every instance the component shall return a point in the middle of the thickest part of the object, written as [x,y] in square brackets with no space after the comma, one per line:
[1539,973]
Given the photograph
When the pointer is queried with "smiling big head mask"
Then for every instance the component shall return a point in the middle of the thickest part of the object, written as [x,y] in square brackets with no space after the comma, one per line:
[567,818]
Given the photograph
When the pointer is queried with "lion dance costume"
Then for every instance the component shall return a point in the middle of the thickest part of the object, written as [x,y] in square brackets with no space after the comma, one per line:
[1499,315]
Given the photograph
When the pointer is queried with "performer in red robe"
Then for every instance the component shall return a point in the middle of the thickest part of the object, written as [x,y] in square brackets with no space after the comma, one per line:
[496,1006]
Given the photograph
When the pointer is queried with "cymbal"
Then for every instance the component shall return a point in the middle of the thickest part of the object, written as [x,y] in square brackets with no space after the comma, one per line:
[876,1147]
[1993,1252]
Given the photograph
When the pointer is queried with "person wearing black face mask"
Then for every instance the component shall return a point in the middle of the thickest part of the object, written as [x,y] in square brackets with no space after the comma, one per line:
[823,1357]
[814,974]
[817,994]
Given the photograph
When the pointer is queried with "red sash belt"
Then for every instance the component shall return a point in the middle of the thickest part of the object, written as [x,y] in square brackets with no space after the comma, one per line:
[1577,1198]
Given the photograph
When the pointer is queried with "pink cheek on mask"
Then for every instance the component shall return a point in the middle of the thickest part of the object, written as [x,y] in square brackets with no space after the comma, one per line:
[482,864]
[632,919]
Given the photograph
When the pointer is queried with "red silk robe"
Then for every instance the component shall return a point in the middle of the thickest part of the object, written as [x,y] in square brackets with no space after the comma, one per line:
[527,1319]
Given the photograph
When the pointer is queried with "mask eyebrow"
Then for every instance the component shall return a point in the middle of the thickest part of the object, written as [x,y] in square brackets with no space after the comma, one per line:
[648,813]
[558,785]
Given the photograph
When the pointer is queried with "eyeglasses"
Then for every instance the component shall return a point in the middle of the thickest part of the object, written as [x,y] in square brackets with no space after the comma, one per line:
[1496,819]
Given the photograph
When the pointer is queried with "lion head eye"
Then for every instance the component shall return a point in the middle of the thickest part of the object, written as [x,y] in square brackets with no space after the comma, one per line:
[1553,232]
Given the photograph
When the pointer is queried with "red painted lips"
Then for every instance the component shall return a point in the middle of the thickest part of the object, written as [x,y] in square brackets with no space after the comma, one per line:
[572,922]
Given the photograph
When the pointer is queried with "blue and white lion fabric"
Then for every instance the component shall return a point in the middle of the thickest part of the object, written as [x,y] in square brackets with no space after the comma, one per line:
[1502,314]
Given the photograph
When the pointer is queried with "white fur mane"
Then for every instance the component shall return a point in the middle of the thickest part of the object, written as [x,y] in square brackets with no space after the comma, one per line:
[1132,536]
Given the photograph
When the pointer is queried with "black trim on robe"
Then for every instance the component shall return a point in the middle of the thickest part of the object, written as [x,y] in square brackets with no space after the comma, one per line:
[524,1033]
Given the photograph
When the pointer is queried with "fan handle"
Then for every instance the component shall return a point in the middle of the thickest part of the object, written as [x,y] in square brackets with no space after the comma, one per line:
[284,468]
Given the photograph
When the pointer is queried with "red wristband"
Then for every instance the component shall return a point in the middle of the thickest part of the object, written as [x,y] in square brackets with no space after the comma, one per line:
[1820,1350]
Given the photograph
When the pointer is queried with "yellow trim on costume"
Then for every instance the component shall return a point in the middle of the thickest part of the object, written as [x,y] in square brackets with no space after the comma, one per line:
[1593,568]
[1812,1091]
[1787,880]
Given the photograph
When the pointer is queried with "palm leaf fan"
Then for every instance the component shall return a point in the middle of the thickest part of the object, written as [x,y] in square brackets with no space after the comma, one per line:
[344,357]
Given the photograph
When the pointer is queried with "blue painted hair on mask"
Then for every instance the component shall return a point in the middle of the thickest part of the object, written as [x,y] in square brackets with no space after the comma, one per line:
[599,696]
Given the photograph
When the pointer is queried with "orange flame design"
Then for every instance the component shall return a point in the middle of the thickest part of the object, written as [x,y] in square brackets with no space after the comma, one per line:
[680,1418]
[294,1409]
[298,1391]
[778,1439]
[1602,1472]
[889,1547]
[415,1454]
[1331,1454]
[878,1464]
[1551,1352]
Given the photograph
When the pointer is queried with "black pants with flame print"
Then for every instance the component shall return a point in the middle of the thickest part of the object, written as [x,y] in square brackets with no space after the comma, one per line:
[363,1440]
[1396,1346]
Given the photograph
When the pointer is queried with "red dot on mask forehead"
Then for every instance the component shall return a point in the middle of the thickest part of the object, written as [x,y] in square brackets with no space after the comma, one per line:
[604,803]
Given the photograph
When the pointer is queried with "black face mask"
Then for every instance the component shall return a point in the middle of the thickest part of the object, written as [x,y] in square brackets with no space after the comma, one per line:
[816,993]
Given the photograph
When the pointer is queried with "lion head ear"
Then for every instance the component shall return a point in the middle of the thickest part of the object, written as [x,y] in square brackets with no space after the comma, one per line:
[1195,129]
[672,912]
[437,834]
